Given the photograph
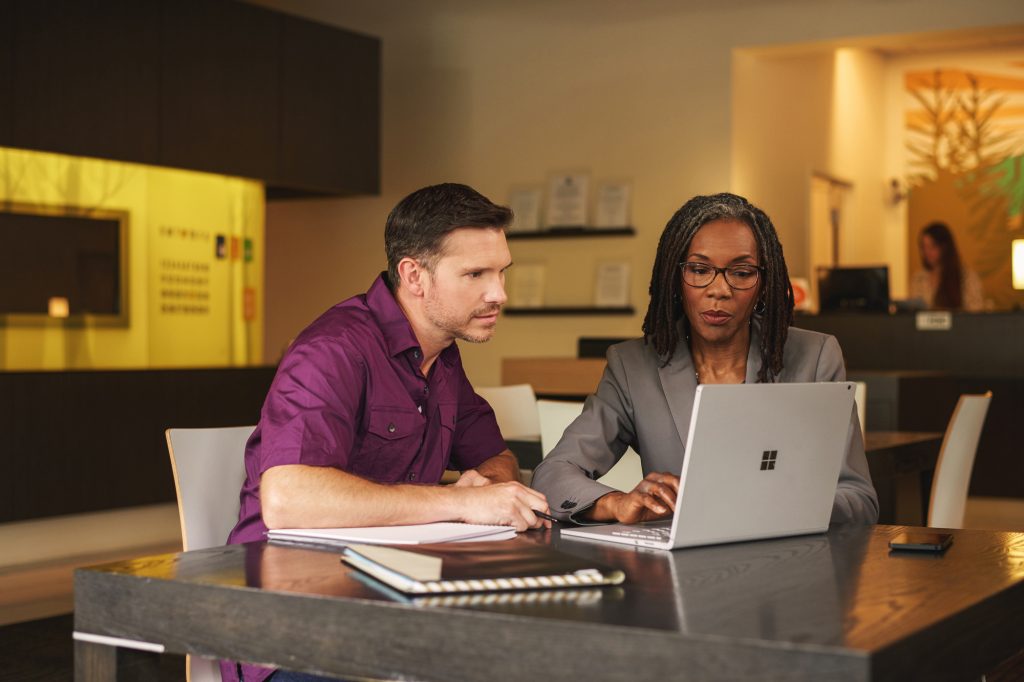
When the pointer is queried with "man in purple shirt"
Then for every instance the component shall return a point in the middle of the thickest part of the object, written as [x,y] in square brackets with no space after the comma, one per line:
[370,403]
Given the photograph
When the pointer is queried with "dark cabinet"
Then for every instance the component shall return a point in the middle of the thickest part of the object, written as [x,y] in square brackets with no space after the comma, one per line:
[82,441]
[330,110]
[211,85]
[6,73]
[220,88]
[86,78]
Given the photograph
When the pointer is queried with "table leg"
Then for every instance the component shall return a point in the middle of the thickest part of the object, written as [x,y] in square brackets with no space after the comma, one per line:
[95,662]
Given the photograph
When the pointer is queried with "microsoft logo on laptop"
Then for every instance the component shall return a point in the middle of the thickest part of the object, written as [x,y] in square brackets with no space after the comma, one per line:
[768,458]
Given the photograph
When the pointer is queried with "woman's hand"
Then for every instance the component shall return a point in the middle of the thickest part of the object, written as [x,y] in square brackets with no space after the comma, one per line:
[653,498]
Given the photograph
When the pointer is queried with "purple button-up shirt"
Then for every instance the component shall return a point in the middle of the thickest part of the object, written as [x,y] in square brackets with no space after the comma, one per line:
[349,394]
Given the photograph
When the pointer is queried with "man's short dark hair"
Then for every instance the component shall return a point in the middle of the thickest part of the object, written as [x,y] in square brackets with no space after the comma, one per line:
[416,228]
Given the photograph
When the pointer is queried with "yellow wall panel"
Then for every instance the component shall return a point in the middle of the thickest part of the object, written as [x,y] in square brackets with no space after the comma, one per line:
[185,305]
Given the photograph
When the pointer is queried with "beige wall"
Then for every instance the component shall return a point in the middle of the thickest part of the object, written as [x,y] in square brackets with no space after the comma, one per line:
[495,93]
[782,108]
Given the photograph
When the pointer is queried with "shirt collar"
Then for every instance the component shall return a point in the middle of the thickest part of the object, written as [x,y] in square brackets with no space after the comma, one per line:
[398,333]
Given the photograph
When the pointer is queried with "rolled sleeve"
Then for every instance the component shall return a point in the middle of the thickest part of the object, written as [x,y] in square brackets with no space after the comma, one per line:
[312,411]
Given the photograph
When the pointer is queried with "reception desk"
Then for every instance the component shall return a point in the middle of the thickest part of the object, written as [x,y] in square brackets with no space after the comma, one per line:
[975,345]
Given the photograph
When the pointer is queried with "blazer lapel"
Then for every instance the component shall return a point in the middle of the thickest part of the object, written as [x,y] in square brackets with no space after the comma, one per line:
[754,353]
[679,384]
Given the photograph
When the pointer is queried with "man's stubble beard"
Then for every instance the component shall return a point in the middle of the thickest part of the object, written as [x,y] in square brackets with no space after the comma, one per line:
[450,324]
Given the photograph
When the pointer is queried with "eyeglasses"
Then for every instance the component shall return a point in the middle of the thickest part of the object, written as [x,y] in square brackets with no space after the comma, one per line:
[701,275]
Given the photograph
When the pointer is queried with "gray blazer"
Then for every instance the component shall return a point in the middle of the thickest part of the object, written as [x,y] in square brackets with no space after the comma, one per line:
[642,405]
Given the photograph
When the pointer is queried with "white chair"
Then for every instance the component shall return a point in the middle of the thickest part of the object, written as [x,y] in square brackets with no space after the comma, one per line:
[209,469]
[555,416]
[860,395]
[956,460]
[515,408]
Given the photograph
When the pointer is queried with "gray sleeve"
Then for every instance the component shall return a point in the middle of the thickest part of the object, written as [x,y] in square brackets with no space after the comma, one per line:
[856,500]
[590,446]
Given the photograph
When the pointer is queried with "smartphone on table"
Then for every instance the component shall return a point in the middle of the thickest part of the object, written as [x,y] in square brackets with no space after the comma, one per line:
[921,541]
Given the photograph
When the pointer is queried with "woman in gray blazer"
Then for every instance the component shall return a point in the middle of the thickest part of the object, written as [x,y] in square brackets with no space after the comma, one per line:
[721,311]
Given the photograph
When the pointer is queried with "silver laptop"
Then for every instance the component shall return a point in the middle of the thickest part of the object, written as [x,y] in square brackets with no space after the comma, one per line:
[761,461]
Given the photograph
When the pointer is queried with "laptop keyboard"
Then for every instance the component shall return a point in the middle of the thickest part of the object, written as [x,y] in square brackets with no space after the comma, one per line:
[654,534]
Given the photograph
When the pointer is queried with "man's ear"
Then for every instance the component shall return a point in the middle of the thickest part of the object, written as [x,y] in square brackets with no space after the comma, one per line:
[412,275]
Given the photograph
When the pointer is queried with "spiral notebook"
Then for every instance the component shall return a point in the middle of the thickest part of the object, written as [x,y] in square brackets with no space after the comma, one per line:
[477,567]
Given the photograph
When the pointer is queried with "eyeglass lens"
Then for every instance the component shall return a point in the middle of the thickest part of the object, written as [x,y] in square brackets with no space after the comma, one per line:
[736,276]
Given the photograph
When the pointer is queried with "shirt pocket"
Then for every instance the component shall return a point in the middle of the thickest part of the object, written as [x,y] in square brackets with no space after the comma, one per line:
[393,440]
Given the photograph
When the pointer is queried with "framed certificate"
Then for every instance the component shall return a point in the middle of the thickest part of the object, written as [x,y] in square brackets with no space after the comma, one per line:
[527,290]
[613,205]
[611,288]
[567,200]
[525,205]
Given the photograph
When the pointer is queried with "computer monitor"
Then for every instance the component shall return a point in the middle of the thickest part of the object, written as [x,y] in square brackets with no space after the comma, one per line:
[854,289]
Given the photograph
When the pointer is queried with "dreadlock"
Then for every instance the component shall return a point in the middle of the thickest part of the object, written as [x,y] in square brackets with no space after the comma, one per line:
[665,312]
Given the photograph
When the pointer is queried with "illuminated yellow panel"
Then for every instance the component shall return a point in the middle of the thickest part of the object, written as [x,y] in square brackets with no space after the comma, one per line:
[189,305]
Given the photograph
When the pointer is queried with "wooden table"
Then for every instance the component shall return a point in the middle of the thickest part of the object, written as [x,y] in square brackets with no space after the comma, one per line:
[821,607]
[902,464]
[562,378]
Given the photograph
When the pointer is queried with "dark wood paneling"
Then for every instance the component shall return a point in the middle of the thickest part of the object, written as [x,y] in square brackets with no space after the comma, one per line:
[211,85]
[220,91]
[330,120]
[85,441]
[7,10]
[87,77]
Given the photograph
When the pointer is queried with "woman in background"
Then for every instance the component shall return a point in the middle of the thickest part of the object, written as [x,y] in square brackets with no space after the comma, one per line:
[944,283]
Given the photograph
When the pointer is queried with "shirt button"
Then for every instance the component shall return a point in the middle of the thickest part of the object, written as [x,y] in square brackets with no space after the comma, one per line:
[391,428]
[416,354]
[426,390]
[412,477]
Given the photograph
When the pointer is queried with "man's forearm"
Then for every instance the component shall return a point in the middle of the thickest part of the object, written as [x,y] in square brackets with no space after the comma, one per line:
[298,496]
[501,468]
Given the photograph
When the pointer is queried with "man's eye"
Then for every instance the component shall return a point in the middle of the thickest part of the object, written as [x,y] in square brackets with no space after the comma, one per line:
[475,274]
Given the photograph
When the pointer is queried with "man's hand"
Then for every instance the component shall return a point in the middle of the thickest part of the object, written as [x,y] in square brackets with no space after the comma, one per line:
[653,498]
[471,478]
[502,504]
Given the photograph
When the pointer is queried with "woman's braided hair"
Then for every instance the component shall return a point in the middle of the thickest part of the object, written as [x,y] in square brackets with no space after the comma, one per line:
[775,306]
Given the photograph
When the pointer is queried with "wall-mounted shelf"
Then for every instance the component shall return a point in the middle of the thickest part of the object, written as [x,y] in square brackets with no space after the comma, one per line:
[573,310]
[573,231]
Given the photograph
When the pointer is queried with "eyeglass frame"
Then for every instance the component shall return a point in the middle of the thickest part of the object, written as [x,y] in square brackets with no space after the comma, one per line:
[723,271]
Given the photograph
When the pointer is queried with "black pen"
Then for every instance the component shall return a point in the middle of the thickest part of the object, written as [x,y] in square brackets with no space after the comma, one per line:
[545,515]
